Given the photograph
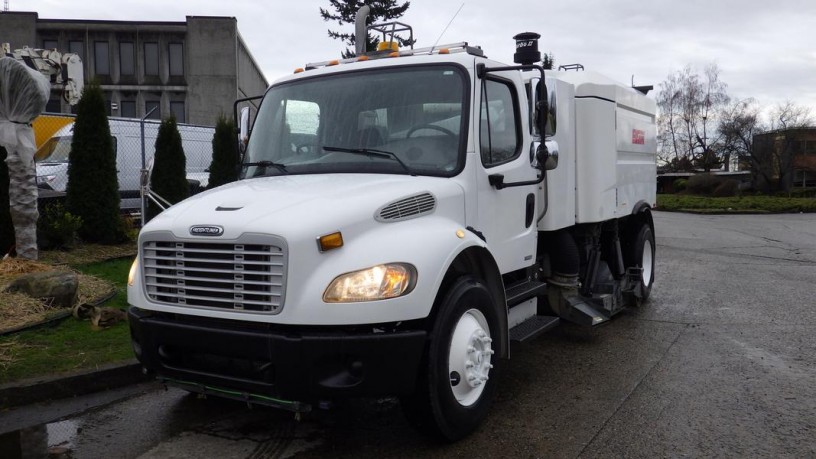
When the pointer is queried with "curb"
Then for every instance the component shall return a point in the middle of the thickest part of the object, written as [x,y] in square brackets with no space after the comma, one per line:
[36,390]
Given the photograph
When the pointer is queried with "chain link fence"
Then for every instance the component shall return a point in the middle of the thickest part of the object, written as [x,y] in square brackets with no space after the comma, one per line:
[134,145]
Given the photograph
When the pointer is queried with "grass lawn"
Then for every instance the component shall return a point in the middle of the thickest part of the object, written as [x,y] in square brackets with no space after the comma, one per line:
[72,344]
[738,204]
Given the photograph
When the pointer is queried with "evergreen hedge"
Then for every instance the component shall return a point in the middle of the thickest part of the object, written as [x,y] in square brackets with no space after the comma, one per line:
[224,166]
[7,237]
[169,177]
[92,193]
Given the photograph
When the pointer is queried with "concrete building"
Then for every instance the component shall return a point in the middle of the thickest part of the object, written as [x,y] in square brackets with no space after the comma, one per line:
[193,69]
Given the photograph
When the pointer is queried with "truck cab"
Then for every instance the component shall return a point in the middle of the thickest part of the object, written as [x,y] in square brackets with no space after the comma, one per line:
[400,218]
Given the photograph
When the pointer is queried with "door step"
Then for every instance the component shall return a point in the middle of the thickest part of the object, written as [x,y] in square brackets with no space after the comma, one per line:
[524,291]
[532,327]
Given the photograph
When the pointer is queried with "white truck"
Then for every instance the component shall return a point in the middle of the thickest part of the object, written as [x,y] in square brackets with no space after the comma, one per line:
[401,217]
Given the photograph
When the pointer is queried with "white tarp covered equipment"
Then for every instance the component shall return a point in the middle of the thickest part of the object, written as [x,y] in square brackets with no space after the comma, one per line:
[23,95]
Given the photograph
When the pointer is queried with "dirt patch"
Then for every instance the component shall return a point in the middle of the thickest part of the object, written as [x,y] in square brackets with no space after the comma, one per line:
[18,309]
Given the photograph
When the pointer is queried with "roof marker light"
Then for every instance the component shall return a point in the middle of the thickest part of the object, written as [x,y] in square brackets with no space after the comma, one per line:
[299,70]
[387,46]
[334,62]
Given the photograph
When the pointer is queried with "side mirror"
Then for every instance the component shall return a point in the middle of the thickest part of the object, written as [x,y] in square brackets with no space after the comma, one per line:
[542,109]
[547,155]
[243,129]
[551,111]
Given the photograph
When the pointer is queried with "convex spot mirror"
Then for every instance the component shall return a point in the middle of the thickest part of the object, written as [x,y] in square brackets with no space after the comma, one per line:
[546,154]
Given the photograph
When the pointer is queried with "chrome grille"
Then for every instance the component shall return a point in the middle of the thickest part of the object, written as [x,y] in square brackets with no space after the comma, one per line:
[235,276]
[406,208]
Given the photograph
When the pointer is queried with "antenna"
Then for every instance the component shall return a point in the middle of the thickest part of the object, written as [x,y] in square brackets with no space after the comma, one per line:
[446,27]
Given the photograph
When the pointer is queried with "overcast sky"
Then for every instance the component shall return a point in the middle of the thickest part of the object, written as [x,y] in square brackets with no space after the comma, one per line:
[765,49]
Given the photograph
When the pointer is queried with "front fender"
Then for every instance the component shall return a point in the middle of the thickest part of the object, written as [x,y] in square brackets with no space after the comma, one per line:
[430,244]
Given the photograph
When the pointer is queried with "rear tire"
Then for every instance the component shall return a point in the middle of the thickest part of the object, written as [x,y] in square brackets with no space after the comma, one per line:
[643,256]
[457,383]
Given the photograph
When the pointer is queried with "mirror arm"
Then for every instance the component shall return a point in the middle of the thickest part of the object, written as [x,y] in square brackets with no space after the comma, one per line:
[497,180]
[541,105]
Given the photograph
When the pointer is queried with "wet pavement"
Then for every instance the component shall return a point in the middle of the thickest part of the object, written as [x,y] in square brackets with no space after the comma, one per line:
[721,362]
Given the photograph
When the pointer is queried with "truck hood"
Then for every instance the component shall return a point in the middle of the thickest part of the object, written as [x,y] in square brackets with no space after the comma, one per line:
[305,205]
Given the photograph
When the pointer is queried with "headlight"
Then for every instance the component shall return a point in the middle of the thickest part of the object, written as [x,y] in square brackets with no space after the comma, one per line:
[133,270]
[376,283]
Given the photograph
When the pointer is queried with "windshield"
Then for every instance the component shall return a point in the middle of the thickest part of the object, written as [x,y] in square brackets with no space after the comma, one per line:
[54,150]
[405,120]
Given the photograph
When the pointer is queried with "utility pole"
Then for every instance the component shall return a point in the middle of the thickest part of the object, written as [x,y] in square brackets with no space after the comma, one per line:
[5,5]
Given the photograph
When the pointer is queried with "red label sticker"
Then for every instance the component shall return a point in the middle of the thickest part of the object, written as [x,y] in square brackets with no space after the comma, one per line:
[638,137]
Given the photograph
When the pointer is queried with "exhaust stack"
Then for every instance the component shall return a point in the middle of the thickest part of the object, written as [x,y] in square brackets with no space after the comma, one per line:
[360,30]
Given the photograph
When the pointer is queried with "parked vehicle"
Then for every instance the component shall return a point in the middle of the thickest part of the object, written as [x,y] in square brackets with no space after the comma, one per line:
[401,217]
[53,157]
[47,124]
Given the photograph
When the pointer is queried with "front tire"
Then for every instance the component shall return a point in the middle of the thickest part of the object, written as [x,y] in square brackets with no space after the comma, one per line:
[458,381]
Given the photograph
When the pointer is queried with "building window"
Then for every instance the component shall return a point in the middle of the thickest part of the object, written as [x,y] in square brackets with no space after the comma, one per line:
[126,66]
[101,58]
[53,106]
[150,105]
[177,109]
[49,44]
[127,109]
[77,47]
[176,52]
[151,59]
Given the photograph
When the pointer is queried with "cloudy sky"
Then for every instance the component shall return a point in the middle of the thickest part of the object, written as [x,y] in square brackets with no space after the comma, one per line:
[765,50]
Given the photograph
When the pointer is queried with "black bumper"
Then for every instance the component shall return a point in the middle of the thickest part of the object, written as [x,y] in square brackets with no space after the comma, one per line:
[279,361]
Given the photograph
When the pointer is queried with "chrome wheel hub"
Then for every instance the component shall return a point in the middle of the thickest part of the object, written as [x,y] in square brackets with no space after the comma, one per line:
[469,359]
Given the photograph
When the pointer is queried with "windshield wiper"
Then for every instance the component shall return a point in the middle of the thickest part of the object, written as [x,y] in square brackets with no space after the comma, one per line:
[265,164]
[371,152]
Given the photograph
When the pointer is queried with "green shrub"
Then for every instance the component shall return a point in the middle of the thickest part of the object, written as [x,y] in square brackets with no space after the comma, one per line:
[679,185]
[57,228]
[703,184]
[224,166]
[726,189]
[798,193]
[753,204]
[169,177]
[93,189]
[7,237]
[128,227]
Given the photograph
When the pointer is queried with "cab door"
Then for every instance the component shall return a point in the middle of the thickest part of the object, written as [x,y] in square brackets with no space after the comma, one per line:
[507,216]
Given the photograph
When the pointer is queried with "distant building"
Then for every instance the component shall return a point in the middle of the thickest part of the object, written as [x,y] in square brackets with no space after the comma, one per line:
[786,156]
[193,69]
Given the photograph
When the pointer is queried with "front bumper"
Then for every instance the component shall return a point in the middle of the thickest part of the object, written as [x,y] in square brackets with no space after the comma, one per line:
[289,362]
